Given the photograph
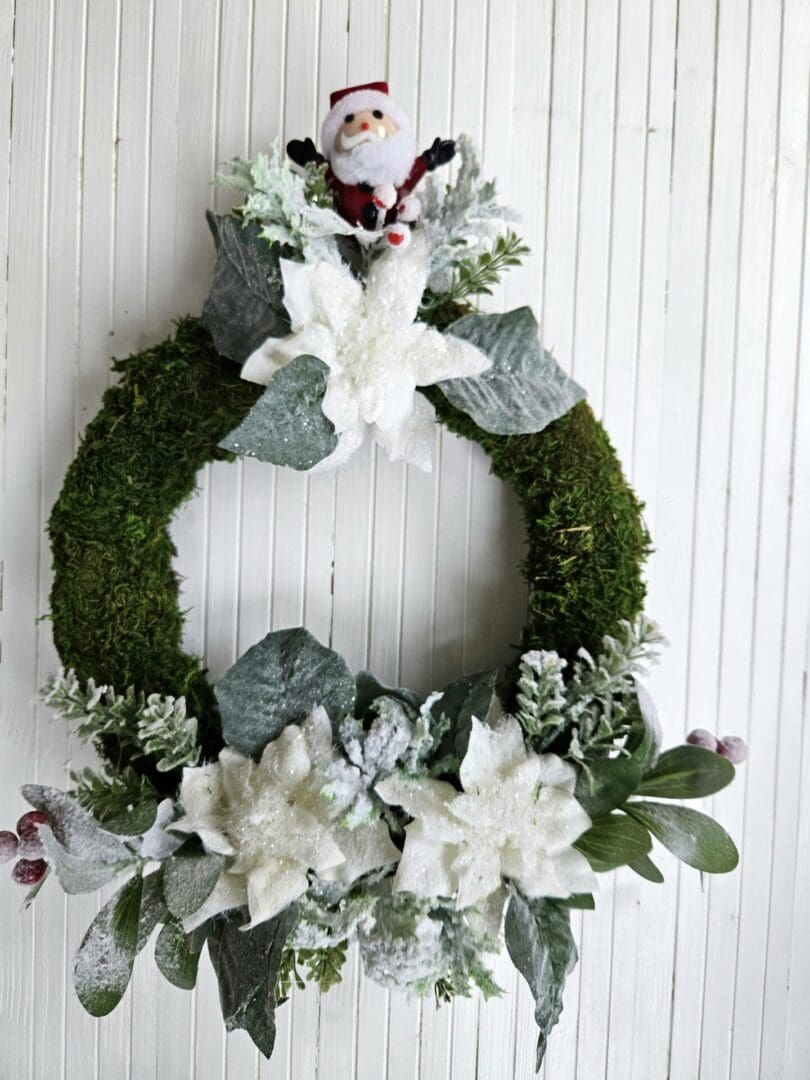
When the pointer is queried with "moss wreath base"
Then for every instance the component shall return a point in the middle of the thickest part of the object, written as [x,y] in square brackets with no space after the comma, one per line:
[294,808]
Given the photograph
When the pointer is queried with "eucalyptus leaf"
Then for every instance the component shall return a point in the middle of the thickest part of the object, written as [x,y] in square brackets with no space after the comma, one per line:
[524,390]
[246,963]
[646,868]
[177,955]
[461,700]
[613,841]
[287,425]
[605,784]
[368,689]
[245,303]
[540,944]
[103,965]
[691,836]
[687,772]
[579,902]
[189,877]
[279,682]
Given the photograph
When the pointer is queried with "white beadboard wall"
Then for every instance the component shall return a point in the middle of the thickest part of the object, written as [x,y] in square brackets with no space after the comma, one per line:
[657,150]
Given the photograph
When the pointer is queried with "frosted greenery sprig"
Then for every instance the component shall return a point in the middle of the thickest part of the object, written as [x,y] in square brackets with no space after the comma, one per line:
[596,706]
[463,220]
[294,209]
[155,726]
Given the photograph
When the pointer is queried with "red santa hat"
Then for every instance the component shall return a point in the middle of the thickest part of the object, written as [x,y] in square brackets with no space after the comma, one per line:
[364,98]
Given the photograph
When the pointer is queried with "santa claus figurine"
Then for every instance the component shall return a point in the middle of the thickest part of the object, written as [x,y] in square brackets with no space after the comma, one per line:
[370,149]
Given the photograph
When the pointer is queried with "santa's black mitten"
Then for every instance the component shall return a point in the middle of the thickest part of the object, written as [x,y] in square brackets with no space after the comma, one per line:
[442,151]
[303,152]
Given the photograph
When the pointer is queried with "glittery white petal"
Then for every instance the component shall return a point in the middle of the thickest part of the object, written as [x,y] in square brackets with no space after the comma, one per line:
[492,752]
[411,437]
[397,280]
[478,870]
[563,819]
[298,299]
[229,892]
[439,356]
[558,773]
[366,848]
[272,887]
[317,729]
[426,866]
[263,363]
[285,760]
[574,872]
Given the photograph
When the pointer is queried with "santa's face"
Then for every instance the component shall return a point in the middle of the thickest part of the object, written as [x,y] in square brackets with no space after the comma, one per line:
[368,126]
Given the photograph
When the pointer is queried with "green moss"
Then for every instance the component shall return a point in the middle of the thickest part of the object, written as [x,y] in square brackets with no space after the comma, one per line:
[585,535]
[114,601]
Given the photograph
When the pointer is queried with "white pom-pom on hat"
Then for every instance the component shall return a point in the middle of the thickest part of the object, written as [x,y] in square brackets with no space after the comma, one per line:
[366,97]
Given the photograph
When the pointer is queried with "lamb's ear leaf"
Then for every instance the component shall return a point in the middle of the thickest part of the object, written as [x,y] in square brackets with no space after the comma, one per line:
[103,965]
[524,390]
[245,303]
[279,682]
[541,946]
[287,426]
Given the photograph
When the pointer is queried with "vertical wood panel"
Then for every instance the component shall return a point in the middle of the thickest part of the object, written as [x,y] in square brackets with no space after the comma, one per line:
[657,152]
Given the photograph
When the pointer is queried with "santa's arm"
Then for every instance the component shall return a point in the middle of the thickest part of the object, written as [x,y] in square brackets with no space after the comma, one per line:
[303,153]
[439,153]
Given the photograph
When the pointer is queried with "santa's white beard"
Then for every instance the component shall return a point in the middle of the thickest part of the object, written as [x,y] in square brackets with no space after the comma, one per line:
[384,161]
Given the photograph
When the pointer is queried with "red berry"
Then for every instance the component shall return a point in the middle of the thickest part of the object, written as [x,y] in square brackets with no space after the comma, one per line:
[733,748]
[701,737]
[28,831]
[8,845]
[29,871]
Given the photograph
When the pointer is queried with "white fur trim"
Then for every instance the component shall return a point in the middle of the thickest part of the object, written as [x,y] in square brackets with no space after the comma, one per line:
[359,101]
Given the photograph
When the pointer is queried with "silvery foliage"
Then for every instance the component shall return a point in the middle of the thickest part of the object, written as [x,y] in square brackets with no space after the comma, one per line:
[461,220]
[158,724]
[596,704]
[398,737]
[322,925]
[281,201]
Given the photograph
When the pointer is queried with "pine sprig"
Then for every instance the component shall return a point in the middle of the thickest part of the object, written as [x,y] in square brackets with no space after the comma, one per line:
[323,967]
[475,276]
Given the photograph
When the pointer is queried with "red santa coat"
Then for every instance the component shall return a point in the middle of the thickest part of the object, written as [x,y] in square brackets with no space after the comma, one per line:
[352,198]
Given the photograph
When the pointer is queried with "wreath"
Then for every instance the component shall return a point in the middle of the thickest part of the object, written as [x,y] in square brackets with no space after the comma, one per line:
[294,807]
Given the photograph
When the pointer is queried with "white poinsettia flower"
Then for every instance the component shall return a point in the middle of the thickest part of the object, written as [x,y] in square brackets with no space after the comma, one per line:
[270,818]
[377,354]
[515,819]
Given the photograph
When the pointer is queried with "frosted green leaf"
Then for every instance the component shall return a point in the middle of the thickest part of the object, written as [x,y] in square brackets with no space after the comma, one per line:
[613,840]
[524,390]
[691,836]
[83,855]
[244,305]
[246,963]
[153,908]
[177,955]
[81,873]
[539,942]
[287,426]
[189,878]
[104,961]
[687,772]
[278,682]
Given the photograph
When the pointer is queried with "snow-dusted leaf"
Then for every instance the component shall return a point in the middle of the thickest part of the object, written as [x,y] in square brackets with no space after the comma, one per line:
[278,682]
[189,877]
[691,836]
[153,908]
[81,873]
[244,306]
[104,961]
[287,426]
[524,390]
[540,944]
[469,696]
[177,955]
[246,964]
[74,827]
[369,689]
